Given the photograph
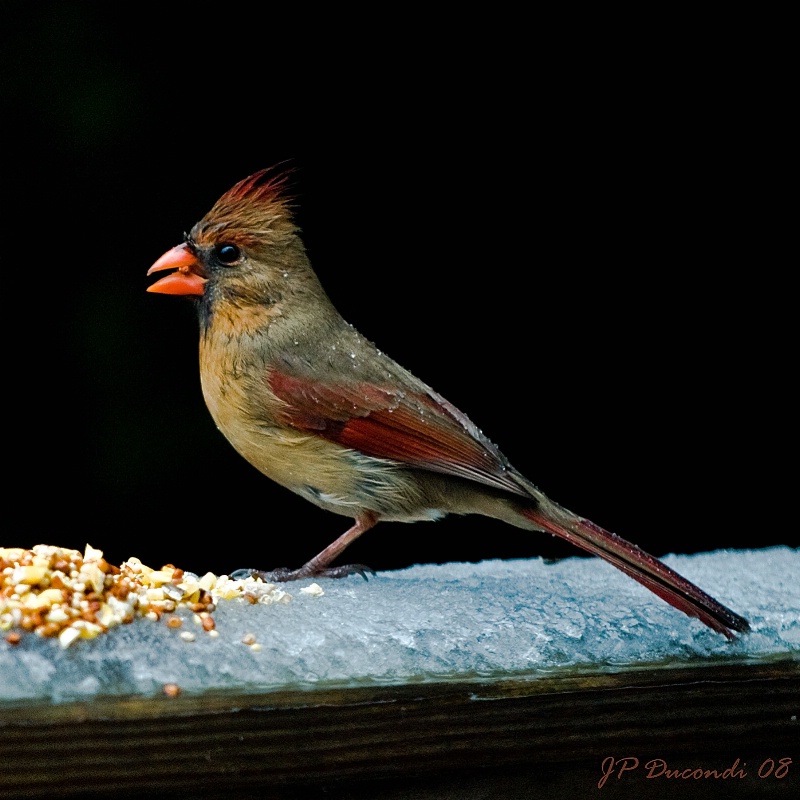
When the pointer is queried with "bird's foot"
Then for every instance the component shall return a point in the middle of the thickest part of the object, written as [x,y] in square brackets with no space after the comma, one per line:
[318,567]
[283,574]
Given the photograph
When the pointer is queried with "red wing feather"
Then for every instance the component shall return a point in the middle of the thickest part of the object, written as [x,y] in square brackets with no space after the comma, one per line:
[421,430]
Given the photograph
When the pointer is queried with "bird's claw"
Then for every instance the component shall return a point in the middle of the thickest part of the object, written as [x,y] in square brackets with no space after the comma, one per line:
[283,574]
[347,569]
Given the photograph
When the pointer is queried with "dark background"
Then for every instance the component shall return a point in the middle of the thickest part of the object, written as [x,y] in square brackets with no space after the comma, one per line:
[566,236]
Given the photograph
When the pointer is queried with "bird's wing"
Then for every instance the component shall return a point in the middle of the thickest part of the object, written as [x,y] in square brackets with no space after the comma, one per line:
[412,426]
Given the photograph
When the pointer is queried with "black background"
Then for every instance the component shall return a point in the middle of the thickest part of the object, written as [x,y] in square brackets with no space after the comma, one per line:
[564,235]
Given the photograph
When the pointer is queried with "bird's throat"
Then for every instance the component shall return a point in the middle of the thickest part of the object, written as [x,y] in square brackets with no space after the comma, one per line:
[231,320]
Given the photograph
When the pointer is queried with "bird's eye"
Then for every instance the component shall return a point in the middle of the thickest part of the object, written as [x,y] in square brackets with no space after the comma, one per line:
[228,253]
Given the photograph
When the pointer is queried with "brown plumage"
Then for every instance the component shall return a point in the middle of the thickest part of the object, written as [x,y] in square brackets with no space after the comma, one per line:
[320,410]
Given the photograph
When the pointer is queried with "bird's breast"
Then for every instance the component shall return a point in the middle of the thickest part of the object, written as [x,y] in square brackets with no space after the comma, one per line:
[339,479]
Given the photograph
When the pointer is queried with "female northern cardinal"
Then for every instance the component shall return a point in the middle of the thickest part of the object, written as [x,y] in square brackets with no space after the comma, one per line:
[319,409]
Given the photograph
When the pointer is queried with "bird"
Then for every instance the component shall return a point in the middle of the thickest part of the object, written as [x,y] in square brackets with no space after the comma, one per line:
[315,406]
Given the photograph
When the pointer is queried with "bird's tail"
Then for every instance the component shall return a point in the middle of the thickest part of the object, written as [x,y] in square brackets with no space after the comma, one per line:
[640,566]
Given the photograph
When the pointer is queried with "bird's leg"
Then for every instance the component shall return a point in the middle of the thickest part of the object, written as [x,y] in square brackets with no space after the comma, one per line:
[318,567]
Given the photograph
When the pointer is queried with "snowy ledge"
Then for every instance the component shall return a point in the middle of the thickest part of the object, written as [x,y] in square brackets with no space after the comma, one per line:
[429,623]
[462,680]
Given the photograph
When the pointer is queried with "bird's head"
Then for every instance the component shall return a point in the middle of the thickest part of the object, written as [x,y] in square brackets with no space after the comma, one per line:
[243,249]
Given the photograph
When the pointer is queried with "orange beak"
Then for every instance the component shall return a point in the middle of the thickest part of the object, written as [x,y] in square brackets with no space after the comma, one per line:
[186,280]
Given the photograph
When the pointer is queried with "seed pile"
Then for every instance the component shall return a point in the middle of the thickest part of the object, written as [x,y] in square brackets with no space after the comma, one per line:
[57,592]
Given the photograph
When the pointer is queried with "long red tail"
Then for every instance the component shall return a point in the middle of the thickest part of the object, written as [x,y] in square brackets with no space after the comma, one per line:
[640,566]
